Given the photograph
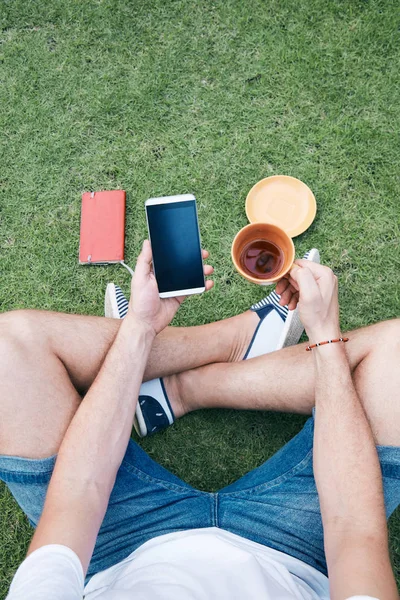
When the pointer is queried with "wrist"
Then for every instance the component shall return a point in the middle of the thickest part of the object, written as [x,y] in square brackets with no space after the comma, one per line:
[330,354]
[138,327]
[323,333]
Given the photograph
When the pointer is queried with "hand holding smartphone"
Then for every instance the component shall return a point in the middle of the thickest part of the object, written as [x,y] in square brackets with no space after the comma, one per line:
[175,239]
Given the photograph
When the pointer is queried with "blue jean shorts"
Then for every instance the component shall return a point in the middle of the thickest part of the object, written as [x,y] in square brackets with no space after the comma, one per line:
[276,504]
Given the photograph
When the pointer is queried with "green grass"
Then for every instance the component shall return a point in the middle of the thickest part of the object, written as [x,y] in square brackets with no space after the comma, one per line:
[206,97]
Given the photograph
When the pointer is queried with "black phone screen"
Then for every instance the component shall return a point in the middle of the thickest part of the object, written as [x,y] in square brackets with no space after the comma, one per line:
[175,241]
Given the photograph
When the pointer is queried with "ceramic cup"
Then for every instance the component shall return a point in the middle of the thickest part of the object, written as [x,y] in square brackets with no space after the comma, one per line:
[269,233]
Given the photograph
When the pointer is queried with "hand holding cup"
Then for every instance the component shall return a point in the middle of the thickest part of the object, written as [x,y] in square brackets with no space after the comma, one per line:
[313,288]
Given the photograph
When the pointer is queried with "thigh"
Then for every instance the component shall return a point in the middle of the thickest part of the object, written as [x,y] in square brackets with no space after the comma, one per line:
[277,504]
[146,501]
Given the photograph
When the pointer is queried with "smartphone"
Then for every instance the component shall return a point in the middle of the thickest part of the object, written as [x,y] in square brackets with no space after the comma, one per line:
[175,240]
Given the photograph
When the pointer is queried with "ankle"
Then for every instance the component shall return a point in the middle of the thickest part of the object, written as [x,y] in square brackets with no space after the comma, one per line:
[245,326]
[174,386]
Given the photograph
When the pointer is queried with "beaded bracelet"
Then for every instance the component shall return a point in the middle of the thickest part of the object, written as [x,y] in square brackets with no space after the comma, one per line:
[318,344]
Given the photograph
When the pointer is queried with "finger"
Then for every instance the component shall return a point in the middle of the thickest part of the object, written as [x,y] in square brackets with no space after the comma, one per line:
[295,269]
[287,296]
[209,285]
[281,285]
[143,263]
[308,287]
[316,269]
[179,299]
[205,253]
[292,288]
[294,284]
[294,301]
[208,270]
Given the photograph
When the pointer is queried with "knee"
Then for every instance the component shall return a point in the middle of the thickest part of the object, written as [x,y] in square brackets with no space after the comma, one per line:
[387,338]
[377,381]
[19,328]
[20,341]
[374,341]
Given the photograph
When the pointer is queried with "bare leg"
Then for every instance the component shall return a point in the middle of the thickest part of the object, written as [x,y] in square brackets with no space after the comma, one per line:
[82,342]
[377,379]
[48,360]
[284,381]
[45,358]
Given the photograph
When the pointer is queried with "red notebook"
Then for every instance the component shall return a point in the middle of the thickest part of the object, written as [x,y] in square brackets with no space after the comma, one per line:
[102,227]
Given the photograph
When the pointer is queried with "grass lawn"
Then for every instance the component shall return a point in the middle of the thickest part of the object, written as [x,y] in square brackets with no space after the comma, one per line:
[206,97]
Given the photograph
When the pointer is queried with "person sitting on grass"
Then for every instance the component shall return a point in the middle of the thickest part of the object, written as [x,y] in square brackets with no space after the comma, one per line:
[112,524]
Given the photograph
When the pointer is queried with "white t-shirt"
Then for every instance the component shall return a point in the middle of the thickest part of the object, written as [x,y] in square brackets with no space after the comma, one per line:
[200,564]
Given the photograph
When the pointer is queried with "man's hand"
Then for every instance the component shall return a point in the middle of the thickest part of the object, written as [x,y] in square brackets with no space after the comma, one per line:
[346,465]
[314,289]
[145,304]
[95,442]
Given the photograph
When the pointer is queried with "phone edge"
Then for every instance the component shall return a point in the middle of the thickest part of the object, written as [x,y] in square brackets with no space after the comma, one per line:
[189,292]
[170,199]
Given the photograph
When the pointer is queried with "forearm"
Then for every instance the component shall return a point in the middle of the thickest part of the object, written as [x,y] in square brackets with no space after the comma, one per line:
[346,464]
[94,446]
[349,483]
[96,440]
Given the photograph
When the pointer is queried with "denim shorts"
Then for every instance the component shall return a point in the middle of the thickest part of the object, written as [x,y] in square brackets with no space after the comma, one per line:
[275,505]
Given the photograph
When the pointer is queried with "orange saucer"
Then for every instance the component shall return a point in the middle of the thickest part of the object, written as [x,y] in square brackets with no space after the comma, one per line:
[283,201]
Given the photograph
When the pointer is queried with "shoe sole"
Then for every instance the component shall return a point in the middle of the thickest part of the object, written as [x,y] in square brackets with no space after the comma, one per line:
[292,330]
[138,421]
[110,302]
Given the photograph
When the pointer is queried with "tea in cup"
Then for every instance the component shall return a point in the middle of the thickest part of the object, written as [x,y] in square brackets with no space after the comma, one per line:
[262,253]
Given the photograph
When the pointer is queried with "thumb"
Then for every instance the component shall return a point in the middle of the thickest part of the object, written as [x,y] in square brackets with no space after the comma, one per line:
[294,272]
[307,285]
[143,264]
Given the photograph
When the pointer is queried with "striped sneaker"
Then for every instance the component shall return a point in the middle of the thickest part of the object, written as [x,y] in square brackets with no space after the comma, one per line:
[293,327]
[115,303]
